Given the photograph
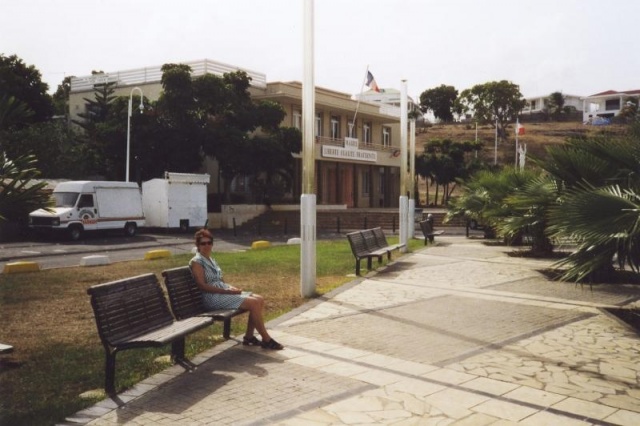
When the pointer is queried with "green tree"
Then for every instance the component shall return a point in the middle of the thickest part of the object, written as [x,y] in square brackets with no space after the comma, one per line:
[58,149]
[629,111]
[600,204]
[484,199]
[499,101]
[444,162]
[61,98]
[555,105]
[24,83]
[441,101]
[19,194]
[13,112]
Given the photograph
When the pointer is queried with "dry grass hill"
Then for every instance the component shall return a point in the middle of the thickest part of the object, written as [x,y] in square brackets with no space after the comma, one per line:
[537,136]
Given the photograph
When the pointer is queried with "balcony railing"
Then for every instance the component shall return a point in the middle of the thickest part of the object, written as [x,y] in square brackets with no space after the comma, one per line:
[154,75]
[324,140]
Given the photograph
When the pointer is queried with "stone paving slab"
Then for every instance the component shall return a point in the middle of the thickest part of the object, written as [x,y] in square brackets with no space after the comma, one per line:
[247,387]
[435,330]
[609,294]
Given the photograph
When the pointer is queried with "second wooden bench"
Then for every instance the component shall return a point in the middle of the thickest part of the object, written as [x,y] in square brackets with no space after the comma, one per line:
[186,299]
[369,244]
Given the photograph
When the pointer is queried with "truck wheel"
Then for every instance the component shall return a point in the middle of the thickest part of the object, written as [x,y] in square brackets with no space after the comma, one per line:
[130,229]
[75,232]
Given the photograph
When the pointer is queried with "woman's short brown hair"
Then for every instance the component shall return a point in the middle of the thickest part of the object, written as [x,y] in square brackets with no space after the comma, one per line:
[201,234]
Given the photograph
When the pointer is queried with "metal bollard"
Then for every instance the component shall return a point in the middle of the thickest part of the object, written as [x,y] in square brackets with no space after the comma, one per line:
[365,223]
[338,220]
[234,227]
[393,225]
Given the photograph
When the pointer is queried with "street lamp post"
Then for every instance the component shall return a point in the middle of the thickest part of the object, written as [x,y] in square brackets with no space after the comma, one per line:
[129,124]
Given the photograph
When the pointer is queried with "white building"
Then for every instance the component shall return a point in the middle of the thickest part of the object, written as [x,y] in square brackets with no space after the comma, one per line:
[539,104]
[606,104]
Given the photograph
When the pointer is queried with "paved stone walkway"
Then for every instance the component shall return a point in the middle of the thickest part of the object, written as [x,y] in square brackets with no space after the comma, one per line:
[460,333]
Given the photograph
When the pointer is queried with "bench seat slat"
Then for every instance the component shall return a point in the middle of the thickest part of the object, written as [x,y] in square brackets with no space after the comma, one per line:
[164,335]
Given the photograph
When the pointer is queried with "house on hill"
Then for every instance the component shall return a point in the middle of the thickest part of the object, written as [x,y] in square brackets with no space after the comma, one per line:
[607,104]
[538,104]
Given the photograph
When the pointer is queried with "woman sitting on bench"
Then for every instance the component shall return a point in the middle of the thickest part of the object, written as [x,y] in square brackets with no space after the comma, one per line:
[216,294]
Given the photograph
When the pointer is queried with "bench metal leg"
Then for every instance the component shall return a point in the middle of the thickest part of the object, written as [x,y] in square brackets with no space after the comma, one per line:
[110,373]
[357,267]
[369,263]
[177,349]
[226,328]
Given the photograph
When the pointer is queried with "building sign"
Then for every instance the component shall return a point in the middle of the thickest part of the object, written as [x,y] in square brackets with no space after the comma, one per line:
[349,152]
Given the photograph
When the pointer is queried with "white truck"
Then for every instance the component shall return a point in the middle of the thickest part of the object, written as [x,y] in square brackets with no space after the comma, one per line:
[179,201]
[91,205]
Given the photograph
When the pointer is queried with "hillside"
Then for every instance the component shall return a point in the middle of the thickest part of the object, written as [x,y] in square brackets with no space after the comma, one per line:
[537,136]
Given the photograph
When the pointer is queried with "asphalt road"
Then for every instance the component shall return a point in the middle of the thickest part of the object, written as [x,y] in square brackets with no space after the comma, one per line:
[57,253]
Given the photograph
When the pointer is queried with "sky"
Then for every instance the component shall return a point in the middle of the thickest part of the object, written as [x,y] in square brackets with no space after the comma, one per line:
[578,47]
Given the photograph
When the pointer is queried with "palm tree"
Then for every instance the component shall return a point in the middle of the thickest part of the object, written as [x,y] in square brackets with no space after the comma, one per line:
[485,200]
[599,205]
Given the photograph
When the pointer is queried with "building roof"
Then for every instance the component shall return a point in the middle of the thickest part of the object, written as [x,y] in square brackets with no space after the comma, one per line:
[153,74]
[614,92]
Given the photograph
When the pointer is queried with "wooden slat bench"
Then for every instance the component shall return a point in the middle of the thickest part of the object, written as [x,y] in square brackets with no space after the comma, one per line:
[428,232]
[133,313]
[383,243]
[369,244]
[186,299]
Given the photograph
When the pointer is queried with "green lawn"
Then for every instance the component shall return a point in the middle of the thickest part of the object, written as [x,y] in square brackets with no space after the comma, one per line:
[58,356]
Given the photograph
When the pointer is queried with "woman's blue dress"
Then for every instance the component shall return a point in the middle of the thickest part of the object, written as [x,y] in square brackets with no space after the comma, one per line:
[213,277]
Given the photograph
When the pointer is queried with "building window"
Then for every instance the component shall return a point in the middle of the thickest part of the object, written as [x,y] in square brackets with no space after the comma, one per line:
[366,181]
[611,104]
[533,105]
[297,119]
[240,184]
[318,125]
[335,127]
[386,137]
[353,132]
[366,133]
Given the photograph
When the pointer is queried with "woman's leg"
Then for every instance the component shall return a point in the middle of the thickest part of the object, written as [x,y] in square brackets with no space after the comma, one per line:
[255,305]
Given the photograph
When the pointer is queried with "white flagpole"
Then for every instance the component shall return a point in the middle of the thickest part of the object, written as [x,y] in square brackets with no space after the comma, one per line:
[366,73]
[495,148]
[308,197]
[517,126]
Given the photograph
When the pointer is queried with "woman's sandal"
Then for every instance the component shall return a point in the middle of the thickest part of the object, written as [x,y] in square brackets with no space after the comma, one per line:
[272,344]
[251,341]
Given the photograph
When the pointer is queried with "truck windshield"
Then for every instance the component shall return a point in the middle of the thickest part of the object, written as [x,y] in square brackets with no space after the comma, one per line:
[65,199]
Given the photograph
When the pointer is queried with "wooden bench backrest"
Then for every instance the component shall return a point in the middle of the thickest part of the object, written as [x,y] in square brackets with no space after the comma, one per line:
[184,295]
[380,237]
[358,245]
[129,307]
[370,240]
[426,227]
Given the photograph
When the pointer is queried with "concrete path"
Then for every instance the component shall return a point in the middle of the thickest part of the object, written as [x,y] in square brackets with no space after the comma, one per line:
[460,333]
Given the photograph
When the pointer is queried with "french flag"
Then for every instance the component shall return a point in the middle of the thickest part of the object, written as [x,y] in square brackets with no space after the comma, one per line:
[371,82]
